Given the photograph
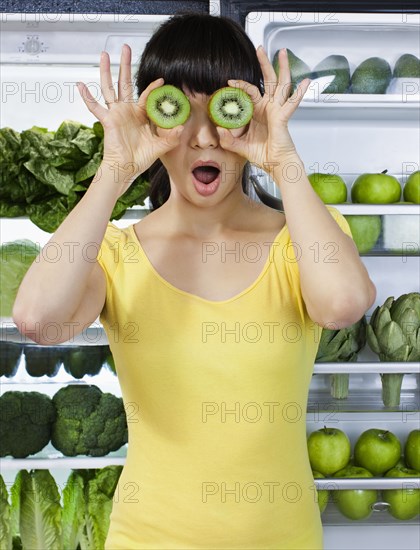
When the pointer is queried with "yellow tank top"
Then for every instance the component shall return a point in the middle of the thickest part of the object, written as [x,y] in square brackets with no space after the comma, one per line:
[215,395]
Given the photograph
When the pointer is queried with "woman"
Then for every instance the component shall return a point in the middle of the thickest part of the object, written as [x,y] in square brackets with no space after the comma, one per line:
[210,311]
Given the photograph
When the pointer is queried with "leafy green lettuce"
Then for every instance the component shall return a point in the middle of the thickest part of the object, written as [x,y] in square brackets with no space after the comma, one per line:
[39,510]
[15,260]
[44,174]
[6,535]
[87,499]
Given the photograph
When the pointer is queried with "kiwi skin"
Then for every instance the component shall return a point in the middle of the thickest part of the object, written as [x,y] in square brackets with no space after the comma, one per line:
[217,119]
[157,116]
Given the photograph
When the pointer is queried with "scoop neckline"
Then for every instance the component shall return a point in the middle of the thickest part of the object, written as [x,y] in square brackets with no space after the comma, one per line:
[195,296]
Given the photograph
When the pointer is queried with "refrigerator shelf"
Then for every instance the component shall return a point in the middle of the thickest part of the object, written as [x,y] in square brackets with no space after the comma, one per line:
[322,405]
[57,461]
[380,516]
[368,367]
[336,484]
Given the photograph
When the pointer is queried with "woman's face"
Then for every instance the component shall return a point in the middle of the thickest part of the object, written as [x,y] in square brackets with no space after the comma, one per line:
[199,145]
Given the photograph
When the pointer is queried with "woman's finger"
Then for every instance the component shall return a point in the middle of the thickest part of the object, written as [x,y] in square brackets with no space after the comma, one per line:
[152,86]
[106,79]
[250,89]
[269,74]
[90,102]
[284,83]
[258,100]
[125,86]
[167,141]
[231,143]
[293,102]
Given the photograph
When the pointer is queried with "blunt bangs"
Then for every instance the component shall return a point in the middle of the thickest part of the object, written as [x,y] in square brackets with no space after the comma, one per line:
[200,53]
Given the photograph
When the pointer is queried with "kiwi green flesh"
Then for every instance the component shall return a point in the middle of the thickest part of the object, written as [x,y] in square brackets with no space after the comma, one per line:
[167,106]
[230,108]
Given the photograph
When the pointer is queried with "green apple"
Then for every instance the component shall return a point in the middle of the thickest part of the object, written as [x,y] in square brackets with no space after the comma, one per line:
[365,231]
[377,450]
[411,191]
[376,189]
[355,503]
[412,450]
[329,187]
[329,450]
[322,494]
[405,502]
[401,464]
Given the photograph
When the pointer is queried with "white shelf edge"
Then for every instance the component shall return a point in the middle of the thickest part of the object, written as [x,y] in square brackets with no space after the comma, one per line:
[333,484]
[368,367]
[59,463]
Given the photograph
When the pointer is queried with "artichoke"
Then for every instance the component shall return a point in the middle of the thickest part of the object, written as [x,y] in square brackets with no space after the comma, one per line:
[342,345]
[394,334]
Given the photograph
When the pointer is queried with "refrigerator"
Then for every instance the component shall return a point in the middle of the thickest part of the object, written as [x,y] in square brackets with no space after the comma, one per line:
[43,55]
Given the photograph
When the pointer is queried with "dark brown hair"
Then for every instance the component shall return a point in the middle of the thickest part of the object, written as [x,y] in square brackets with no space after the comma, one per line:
[200,52]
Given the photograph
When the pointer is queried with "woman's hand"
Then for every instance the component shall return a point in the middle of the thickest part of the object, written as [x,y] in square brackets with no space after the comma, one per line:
[130,146]
[267,141]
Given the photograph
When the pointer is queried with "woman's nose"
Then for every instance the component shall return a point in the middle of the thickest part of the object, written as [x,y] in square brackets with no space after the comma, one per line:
[203,133]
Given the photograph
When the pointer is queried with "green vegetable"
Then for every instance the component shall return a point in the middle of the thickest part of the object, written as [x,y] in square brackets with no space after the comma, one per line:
[88,421]
[10,354]
[44,174]
[25,423]
[6,535]
[394,334]
[35,518]
[299,70]
[87,500]
[372,76]
[83,360]
[39,512]
[407,66]
[341,346]
[15,260]
[334,65]
[42,361]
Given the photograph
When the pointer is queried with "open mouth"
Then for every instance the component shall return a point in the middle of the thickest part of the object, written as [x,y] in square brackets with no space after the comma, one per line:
[206,174]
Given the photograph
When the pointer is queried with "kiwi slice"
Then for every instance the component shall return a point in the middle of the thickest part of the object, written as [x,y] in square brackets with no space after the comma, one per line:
[230,108]
[167,106]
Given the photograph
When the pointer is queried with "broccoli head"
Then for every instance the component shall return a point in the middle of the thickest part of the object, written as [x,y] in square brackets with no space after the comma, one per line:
[88,422]
[26,420]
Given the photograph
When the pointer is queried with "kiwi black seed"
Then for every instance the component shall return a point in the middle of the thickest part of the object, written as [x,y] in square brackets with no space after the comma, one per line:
[230,108]
[167,106]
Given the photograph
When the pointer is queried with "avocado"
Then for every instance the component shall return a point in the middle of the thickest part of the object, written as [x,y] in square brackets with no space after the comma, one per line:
[407,66]
[372,76]
[299,70]
[338,65]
